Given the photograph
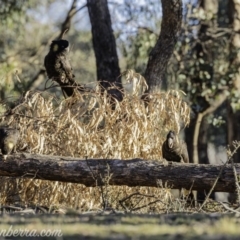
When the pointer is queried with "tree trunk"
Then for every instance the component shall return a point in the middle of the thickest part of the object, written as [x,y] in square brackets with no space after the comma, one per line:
[204,51]
[108,71]
[135,172]
[161,53]
[203,154]
[196,135]
[233,116]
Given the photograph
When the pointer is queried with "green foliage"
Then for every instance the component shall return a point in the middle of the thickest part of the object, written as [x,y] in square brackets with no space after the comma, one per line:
[138,49]
[203,61]
[82,56]
[218,121]
[25,41]
[10,8]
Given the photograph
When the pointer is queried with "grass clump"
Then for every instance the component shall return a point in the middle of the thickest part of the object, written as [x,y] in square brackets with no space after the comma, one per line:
[86,125]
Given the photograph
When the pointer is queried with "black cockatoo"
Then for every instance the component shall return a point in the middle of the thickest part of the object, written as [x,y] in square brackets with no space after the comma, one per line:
[174,149]
[58,66]
[8,140]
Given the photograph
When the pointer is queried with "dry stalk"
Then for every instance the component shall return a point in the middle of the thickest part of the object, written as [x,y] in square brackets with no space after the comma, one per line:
[87,125]
[228,208]
[230,155]
[236,147]
[121,202]
[214,184]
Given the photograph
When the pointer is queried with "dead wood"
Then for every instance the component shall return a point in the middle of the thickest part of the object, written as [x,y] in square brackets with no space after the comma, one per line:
[135,172]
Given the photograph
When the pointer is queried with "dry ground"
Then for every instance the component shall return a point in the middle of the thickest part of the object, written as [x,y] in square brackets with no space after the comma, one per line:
[108,225]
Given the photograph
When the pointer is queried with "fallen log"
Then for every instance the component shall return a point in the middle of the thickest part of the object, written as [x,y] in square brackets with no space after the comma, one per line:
[135,172]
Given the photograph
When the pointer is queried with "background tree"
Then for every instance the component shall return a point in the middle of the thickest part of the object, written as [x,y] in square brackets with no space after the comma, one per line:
[233,107]
[108,71]
[233,111]
[162,51]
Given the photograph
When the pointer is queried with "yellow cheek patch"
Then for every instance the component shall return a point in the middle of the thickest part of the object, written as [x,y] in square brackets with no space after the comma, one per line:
[10,145]
[55,47]
[170,142]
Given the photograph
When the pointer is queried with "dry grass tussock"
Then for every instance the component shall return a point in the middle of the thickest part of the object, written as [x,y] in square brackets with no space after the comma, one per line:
[87,126]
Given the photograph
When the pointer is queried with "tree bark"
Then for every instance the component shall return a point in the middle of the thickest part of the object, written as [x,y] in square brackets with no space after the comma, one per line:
[135,172]
[162,51]
[200,145]
[108,71]
[233,115]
